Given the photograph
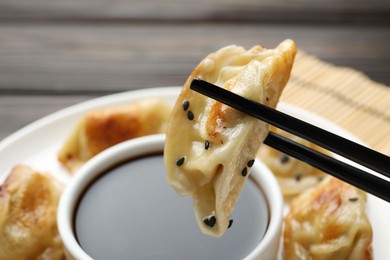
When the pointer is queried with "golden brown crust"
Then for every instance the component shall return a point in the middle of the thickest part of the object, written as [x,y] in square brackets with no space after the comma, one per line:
[28,211]
[328,222]
[103,128]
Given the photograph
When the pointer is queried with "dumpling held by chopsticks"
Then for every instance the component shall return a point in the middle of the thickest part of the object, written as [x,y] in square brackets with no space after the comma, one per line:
[210,147]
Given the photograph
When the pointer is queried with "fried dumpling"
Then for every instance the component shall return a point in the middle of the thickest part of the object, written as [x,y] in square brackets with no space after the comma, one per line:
[293,176]
[210,147]
[328,222]
[99,129]
[28,213]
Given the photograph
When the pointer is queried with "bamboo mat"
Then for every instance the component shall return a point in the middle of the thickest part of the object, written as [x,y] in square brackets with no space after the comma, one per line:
[344,96]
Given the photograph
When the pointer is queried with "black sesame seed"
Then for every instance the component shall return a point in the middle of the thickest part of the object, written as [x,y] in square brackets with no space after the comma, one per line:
[250,163]
[284,159]
[206,145]
[298,177]
[320,179]
[190,115]
[186,105]
[180,161]
[210,220]
[353,199]
[230,223]
[244,172]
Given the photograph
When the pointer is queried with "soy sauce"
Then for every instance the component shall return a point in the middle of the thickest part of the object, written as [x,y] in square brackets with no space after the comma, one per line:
[130,212]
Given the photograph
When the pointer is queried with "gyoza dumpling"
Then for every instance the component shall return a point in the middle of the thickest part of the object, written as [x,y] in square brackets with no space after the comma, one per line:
[294,176]
[28,216]
[102,128]
[328,222]
[211,147]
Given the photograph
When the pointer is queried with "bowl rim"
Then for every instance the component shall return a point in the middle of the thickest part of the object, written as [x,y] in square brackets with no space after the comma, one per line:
[138,147]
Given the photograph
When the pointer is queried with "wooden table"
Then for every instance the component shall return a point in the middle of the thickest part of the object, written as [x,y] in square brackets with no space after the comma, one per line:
[57,53]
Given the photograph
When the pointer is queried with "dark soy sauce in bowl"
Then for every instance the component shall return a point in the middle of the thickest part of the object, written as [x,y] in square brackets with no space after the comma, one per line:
[130,212]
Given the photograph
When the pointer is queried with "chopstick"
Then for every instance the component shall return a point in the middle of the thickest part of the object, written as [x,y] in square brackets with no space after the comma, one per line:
[343,171]
[337,144]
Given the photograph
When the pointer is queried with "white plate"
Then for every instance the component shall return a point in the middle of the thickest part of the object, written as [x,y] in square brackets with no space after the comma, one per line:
[37,144]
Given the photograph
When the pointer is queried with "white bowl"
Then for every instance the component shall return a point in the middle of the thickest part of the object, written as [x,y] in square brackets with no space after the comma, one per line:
[266,249]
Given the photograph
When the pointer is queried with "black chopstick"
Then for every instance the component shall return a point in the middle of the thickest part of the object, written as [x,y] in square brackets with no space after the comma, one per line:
[354,176]
[337,144]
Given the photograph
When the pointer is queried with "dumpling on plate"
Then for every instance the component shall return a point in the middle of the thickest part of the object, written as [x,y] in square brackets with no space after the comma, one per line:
[211,147]
[293,176]
[28,216]
[328,222]
[101,128]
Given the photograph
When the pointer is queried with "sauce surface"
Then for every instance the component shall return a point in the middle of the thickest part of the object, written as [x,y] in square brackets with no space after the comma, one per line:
[130,212]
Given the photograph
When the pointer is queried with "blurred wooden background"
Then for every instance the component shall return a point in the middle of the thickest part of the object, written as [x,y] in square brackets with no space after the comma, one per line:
[56,53]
